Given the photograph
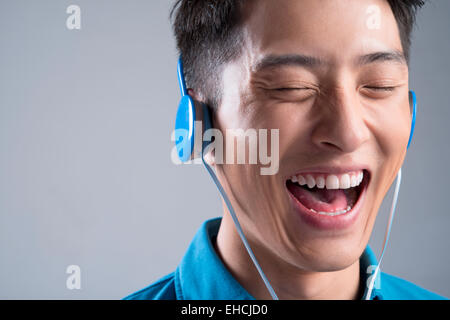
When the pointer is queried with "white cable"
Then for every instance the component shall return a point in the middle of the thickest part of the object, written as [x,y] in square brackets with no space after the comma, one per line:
[239,230]
[386,236]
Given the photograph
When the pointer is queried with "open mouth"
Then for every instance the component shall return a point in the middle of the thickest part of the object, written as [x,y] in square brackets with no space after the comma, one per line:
[328,194]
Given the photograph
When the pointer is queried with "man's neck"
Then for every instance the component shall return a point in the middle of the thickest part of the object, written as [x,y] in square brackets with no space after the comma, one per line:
[289,282]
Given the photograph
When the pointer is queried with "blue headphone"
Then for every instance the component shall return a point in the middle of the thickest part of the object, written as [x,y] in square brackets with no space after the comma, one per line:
[190,111]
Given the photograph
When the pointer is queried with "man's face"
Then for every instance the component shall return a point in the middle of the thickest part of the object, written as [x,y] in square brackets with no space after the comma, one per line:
[329,76]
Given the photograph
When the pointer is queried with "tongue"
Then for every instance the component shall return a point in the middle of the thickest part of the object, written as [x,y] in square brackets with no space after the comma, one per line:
[324,200]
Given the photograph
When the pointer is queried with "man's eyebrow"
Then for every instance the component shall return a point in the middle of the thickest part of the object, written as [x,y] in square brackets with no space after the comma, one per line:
[382,56]
[300,60]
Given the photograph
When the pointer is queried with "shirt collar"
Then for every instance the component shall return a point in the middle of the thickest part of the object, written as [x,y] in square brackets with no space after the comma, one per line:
[201,275]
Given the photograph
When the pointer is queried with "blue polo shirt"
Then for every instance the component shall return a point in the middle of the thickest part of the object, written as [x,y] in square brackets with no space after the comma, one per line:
[201,275]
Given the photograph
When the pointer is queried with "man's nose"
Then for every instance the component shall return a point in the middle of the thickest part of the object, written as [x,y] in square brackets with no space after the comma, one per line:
[342,126]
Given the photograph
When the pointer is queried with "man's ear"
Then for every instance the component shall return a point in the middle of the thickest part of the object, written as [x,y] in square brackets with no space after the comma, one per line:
[210,158]
[197,96]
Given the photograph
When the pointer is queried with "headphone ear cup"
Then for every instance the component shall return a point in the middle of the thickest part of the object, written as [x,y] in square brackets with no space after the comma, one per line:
[192,120]
[413,109]
[185,128]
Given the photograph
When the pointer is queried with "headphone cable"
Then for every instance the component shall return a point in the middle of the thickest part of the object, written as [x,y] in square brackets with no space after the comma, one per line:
[386,236]
[239,230]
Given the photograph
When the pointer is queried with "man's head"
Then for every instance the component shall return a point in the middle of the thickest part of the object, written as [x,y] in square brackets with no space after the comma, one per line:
[332,76]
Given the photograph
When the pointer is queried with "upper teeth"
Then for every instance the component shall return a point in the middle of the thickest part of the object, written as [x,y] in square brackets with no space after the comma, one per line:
[330,181]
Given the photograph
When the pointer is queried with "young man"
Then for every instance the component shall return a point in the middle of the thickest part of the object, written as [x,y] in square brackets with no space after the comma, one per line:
[332,76]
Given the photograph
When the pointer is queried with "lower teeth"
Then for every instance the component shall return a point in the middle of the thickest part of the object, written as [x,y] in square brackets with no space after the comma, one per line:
[335,213]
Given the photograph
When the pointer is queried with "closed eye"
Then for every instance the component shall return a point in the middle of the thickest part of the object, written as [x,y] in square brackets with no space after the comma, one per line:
[378,92]
[297,94]
[380,88]
[289,89]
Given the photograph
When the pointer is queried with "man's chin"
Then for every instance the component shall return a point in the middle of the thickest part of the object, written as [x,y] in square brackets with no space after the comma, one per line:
[330,259]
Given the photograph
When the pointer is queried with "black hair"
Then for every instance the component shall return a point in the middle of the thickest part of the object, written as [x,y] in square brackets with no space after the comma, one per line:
[208,36]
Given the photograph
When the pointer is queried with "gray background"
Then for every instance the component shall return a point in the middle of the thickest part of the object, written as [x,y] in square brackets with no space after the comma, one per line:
[85,170]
